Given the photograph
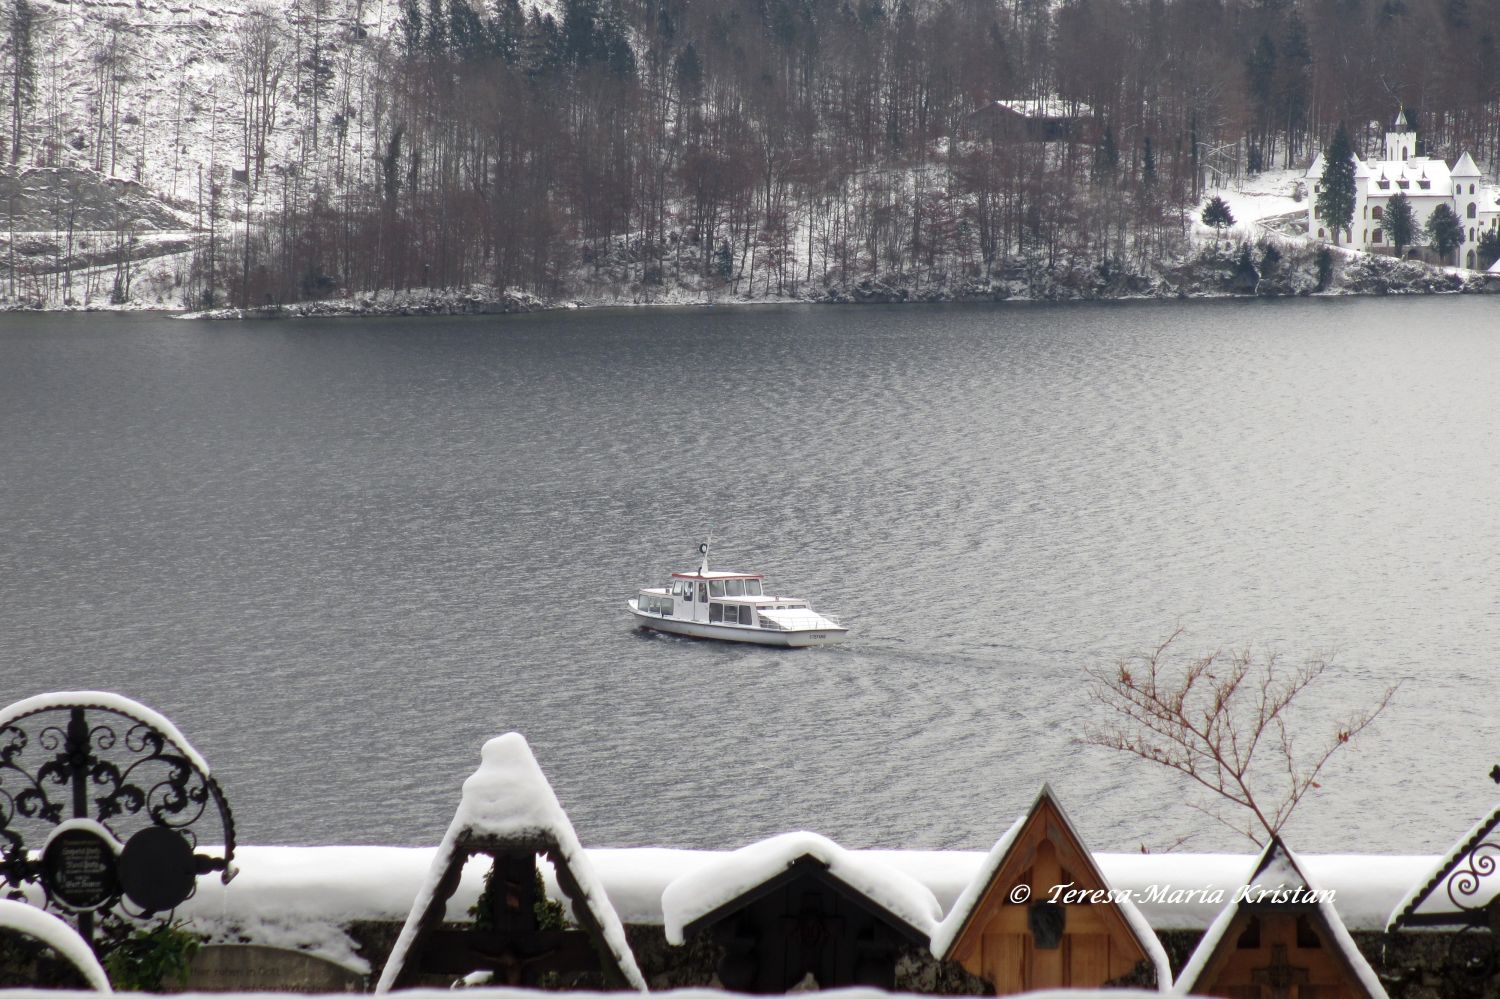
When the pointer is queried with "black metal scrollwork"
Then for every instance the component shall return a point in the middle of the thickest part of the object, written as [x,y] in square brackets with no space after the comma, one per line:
[62,761]
[1464,882]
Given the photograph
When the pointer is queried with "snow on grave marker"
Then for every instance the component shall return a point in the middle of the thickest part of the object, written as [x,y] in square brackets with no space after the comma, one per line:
[1039,913]
[1279,936]
[509,812]
[48,930]
[1470,883]
[799,905]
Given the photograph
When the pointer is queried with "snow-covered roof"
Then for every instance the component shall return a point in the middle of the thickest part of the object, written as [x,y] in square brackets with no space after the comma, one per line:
[1466,167]
[508,797]
[1478,884]
[705,890]
[1278,871]
[108,702]
[1047,107]
[1419,177]
[947,932]
[45,928]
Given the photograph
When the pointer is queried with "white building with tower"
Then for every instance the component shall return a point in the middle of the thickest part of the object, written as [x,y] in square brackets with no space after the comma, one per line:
[1426,182]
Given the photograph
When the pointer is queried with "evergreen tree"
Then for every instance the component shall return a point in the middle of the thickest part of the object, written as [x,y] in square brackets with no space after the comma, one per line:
[1398,222]
[435,36]
[1293,82]
[689,72]
[1335,200]
[18,31]
[465,31]
[1445,231]
[1106,158]
[1246,277]
[1489,248]
[410,22]
[580,30]
[1217,215]
[1148,165]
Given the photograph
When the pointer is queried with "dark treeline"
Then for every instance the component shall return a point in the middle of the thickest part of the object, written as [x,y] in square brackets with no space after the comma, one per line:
[781,146]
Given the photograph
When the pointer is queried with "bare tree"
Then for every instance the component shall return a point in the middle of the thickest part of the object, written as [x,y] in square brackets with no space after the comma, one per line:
[1221,719]
[261,60]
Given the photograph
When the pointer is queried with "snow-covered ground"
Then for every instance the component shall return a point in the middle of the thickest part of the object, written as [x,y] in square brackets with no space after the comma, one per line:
[1254,201]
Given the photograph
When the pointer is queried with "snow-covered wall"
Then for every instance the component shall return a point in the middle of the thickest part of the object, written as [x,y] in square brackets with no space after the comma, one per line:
[306,897]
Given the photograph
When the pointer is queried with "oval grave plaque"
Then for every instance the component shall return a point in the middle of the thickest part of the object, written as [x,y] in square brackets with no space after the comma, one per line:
[79,870]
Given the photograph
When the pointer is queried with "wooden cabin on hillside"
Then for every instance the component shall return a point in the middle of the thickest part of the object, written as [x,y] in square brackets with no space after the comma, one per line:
[1034,120]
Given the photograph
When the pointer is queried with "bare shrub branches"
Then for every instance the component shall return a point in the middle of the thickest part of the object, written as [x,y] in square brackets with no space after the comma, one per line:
[1221,719]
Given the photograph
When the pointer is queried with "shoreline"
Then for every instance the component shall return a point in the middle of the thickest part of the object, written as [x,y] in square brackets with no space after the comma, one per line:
[1212,275]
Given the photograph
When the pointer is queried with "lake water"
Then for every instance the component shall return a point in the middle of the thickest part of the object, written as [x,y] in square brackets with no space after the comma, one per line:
[342,554]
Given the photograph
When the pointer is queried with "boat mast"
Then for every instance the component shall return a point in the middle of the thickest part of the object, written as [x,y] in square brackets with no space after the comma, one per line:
[703,550]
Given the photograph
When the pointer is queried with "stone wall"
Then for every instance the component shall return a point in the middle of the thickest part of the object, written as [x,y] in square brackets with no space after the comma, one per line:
[1412,965]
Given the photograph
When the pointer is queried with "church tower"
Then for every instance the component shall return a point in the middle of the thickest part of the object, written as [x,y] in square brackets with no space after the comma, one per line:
[1401,138]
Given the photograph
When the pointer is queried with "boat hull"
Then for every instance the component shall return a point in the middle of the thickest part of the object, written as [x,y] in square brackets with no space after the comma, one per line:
[756,636]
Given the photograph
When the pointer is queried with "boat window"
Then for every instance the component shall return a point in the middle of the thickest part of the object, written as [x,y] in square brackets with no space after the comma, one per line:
[703,592]
[746,616]
[752,588]
[715,613]
[716,588]
[736,587]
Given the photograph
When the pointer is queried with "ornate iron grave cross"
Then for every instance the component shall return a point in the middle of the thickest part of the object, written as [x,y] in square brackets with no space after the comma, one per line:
[104,803]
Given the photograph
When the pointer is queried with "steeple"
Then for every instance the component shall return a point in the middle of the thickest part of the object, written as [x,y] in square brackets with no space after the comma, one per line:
[1401,138]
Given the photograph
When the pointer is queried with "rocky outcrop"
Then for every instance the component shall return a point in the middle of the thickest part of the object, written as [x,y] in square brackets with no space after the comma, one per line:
[472,301]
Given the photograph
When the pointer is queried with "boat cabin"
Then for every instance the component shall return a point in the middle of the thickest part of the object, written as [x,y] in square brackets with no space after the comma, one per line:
[734,598]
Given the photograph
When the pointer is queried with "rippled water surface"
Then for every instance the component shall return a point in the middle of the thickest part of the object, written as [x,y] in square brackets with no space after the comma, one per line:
[340,555]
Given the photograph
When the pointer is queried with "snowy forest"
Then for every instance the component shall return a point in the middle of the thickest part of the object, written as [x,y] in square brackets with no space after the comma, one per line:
[768,147]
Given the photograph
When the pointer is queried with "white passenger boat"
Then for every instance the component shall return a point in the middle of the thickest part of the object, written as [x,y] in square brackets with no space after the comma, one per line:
[732,606]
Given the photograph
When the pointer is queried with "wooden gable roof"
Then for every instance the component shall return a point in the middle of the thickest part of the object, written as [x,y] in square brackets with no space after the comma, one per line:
[1041,914]
[799,905]
[1279,938]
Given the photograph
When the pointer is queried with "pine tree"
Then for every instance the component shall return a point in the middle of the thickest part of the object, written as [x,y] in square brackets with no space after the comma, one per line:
[1217,215]
[1398,222]
[1445,231]
[1335,201]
